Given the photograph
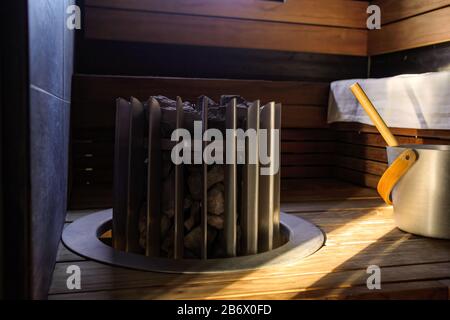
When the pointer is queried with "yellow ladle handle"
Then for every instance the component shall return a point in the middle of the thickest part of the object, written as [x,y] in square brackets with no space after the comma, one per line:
[373,114]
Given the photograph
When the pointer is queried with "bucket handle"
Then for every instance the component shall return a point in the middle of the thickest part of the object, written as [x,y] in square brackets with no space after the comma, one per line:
[394,173]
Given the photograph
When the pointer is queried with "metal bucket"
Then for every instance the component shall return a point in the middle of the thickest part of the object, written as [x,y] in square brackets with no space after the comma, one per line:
[422,196]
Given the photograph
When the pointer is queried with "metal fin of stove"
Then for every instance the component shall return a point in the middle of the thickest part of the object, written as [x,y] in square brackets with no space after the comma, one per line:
[179,188]
[204,207]
[153,179]
[249,222]
[128,188]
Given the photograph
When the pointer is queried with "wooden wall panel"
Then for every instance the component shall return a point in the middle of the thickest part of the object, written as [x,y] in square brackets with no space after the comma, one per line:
[306,172]
[306,135]
[101,89]
[302,40]
[165,60]
[357,177]
[339,13]
[419,60]
[308,147]
[375,140]
[364,128]
[418,31]
[361,151]
[362,165]
[152,27]
[394,10]
[292,116]
[306,159]
[304,116]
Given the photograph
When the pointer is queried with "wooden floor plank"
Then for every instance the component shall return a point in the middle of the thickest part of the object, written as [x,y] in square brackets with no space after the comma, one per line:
[359,232]
[240,289]
[303,190]
[331,205]
[414,290]
[328,260]
[72,215]
[65,255]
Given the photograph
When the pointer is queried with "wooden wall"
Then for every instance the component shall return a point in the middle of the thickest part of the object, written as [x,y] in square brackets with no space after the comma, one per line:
[312,40]
[172,60]
[302,44]
[335,27]
[414,38]
[410,24]
[320,26]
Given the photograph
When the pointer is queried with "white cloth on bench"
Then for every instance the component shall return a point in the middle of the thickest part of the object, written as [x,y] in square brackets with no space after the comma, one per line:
[417,101]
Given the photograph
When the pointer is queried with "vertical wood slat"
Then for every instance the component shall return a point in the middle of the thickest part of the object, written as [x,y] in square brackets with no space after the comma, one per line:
[179,190]
[230,222]
[153,179]
[136,170]
[266,183]
[249,218]
[204,212]
[121,152]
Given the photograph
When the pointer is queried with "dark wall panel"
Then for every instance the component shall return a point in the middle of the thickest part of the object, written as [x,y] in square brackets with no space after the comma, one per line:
[51,68]
[128,58]
[15,162]
[46,35]
[420,60]
[49,134]
[68,53]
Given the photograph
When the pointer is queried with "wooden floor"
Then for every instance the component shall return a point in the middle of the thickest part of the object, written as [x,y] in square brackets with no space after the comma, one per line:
[360,232]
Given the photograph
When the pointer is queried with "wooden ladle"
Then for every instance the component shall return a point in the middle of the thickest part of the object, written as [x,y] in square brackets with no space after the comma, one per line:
[403,162]
[373,114]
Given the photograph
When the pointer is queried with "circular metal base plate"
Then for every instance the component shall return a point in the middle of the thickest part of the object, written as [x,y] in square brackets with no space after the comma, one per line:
[82,237]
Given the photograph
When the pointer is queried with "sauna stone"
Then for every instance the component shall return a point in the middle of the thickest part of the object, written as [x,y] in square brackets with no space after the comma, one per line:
[216,221]
[215,175]
[216,199]
[193,240]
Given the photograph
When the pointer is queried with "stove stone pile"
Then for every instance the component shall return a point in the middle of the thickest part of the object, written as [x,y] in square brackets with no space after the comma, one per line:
[196,209]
